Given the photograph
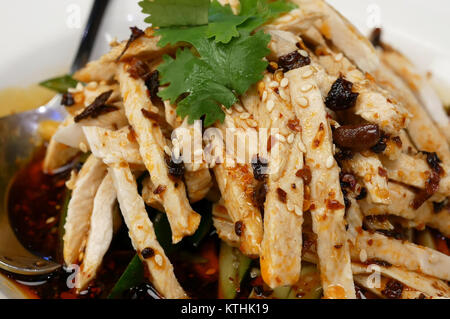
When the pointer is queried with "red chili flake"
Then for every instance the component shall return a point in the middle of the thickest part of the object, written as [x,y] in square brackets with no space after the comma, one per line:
[293,60]
[398,141]
[259,196]
[334,204]
[382,172]
[434,163]
[347,180]
[135,34]
[271,141]
[305,174]
[282,195]
[294,125]
[338,246]
[67,99]
[375,37]
[393,289]
[148,253]
[431,187]
[239,228]
[357,136]
[318,139]
[159,120]
[259,168]
[160,189]
[97,108]
[341,96]
[362,194]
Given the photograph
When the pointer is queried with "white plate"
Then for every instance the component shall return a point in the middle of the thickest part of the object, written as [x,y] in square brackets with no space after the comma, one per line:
[40,40]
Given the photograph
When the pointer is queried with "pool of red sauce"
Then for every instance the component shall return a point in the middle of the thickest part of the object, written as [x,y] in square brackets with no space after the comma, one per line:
[35,202]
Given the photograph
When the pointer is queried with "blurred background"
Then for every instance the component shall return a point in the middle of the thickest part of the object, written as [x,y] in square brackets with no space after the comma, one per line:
[40,38]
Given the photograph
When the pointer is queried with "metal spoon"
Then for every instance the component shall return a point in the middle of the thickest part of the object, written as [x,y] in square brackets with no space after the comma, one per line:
[18,134]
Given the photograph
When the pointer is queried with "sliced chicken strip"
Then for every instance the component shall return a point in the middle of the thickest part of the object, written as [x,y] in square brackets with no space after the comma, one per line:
[344,35]
[369,168]
[420,85]
[401,199]
[100,233]
[281,247]
[401,253]
[145,47]
[327,208]
[80,209]
[382,290]
[114,146]
[296,21]
[430,286]
[237,185]
[413,170]
[198,184]
[183,220]
[224,225]
[425,135]
[142,233]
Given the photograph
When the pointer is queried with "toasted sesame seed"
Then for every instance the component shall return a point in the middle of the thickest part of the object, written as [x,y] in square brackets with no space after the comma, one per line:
[229,111]
[280,137]
[290,207]
[307,73]
[239,108]
[167,150]
[92,85]
[303,53]
[298,211]
[83,147]
[283,95]
[363,256]
[158,260]
[252,123]
[284,82]
[306,87]
[330,162]
[50,220]
[273,84]
[264,96]
[338,57]
[301,147]
[270,105]
[303,102]
[290,138]
[245,116]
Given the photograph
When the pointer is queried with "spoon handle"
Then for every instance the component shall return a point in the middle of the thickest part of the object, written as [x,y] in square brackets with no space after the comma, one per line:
[89,35]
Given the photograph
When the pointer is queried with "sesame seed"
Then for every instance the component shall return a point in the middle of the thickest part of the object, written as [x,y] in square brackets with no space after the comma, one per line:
[338,57]
[264,96]
[301,147]
[239,108]
[363,256]
[92,85]
[158,260]
[273,84]
[284,83]
[290,207]
[50,220]
[283,95]
[83,147]
[167,150]
[306,87]
[245,116]
[229,111]
[303,102]
[252,123]
[270,105]
[307,73]
[280,137]
[298,211]
[290,138]
[330,162]
[303,53]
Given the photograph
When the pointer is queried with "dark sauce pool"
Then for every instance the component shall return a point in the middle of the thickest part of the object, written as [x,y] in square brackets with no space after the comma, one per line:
[35,203]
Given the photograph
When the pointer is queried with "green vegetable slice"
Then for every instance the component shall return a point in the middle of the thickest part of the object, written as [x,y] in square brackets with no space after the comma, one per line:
[167,13]
[60,84]
[233,266]
[132,276]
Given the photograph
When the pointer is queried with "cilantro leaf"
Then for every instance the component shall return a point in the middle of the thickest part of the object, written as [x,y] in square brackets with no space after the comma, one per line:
[223,22]
[168,13]
[60,84]
[214,78]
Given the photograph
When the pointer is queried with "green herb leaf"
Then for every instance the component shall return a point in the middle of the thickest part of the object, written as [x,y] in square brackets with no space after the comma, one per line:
[60,84]
[214,78]
[169,13]
[131,277]
[223,23]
